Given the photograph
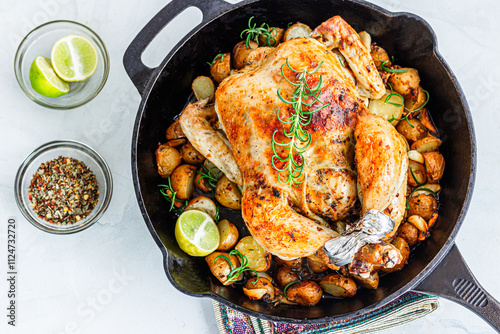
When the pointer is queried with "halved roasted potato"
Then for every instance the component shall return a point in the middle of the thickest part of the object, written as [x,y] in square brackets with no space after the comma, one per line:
[426,144]
[182,179]
[316,266]
[380,56]
[228,194]
[228,235]
[204,204]
[391,108]
[417,175]
[338,285]
[167,160]
[369,282]
[203,87]
[434,165]
[297,30]
[258,258]
[415,101]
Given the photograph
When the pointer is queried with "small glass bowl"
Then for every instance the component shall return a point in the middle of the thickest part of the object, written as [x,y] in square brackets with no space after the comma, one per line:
[50,151]
[39,42]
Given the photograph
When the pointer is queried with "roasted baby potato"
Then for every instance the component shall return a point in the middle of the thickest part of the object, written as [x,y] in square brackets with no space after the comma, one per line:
[297,30]
[228,234]
[406,83]
[409,233]
[412,132]
[426,144]
[203,87]
[369,282]
[182,180]
[176,142]
[221,268]
[167,159]
[174,131]
[416,101]
[389,108]
[221,67]
[295,263]
[201,183]
[422,205]
[285,275]
[379,56]
[190,155]
[258,258]
[338,285]
[275,38]
[260,288]
[434,164]
[416,156]
[228,194]
[204,204]
[417,174]
[306,293]
[316,266]
[240,53]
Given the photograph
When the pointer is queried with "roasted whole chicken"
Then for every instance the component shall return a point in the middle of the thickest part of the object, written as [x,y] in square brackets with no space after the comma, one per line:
[352,155]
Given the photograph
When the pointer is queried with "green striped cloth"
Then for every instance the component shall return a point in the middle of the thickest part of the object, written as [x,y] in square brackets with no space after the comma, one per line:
[408,307]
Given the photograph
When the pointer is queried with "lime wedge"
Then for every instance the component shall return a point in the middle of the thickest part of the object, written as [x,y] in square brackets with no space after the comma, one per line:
[74,58]
[196,233]
[44,80]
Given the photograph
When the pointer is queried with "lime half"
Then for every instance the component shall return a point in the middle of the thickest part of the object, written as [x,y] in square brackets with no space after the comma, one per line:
[74,58]
[196,233]
[44,80]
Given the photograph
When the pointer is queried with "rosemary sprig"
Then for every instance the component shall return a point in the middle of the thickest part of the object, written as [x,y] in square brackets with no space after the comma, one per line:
[170,195]
[341,62]
[415,178]
[424,189]
[209,176]
[390,70]
[221,55]
[407,205]
[292,163]
[235,272]
[394,94]
[253,32]
[412,111]
[288,285]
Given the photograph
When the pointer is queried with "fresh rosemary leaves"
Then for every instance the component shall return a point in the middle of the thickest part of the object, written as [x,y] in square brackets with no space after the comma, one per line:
[221,55]
[235,272]
[290,165]
[253,32]
[177,205]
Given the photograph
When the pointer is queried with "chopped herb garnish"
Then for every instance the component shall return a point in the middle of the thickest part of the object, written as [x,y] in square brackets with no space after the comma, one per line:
[235,272]
[221,55]
[390,70]
[253,32]
[415,178]
[341,62]
[424,189]
[394,94]
[209,176]
[170,195]
[426,100]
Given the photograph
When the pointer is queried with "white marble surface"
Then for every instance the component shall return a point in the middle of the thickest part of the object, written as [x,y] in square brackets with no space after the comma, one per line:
[110,279]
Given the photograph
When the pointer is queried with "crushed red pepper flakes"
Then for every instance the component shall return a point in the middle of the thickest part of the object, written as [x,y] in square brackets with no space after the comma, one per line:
[63,191]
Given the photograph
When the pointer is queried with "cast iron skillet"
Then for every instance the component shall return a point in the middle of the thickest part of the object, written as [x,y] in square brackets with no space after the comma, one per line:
[435,267]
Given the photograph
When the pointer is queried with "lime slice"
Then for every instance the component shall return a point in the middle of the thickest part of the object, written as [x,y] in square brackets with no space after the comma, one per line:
[196,233]
[44,80]
[74,58]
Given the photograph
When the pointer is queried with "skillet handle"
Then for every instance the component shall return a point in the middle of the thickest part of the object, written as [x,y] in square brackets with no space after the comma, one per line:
[453,280]
[136,70]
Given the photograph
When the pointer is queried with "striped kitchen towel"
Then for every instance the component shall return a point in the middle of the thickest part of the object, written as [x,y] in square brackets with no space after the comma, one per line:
[408,307]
